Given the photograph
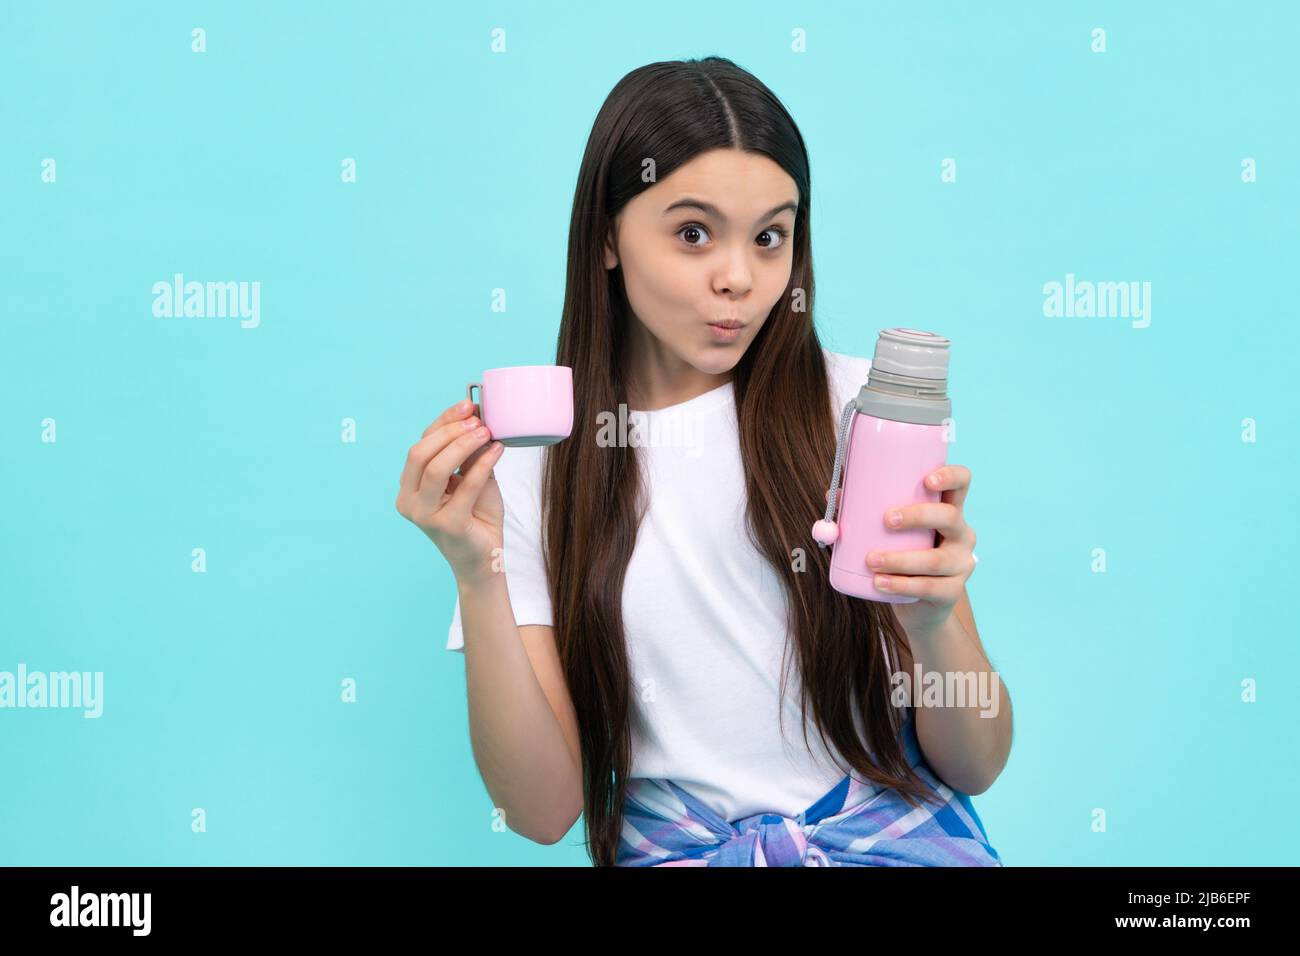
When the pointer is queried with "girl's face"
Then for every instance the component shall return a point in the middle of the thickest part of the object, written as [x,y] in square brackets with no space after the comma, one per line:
[712,242]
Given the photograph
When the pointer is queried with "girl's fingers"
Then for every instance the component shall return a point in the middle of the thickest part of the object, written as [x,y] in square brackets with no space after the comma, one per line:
[457,476]
[462,409]
[954,482]
[418,455]
[435,440]
[472,479]
[940,590]
[473,457]
[453,482]
[938,562]
[943,516]
[449,454]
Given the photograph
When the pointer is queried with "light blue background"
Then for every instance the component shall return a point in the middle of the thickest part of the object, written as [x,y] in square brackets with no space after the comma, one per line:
[222,689]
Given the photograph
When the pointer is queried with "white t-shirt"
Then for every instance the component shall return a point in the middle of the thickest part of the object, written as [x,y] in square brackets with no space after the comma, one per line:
[704,615]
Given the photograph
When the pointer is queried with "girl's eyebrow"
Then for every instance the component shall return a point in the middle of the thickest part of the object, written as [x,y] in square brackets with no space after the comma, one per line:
[712,210]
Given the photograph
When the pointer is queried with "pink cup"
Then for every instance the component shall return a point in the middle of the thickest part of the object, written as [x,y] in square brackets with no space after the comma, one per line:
[526,404]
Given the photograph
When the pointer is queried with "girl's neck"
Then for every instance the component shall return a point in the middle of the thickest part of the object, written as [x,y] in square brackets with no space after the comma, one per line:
[656,378]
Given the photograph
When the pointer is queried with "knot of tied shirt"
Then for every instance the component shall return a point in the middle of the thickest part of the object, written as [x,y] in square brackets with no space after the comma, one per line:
[771,840]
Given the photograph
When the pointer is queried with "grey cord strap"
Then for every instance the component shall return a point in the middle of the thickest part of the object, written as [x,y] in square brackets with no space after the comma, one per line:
[846,418]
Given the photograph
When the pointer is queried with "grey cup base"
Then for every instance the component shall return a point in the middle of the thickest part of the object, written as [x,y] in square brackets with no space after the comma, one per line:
[524,441]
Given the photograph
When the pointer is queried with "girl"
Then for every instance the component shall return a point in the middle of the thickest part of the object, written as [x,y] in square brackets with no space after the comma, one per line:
[628,659]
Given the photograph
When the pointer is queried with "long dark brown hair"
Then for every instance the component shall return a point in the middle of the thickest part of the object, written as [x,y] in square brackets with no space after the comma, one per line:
[592,496]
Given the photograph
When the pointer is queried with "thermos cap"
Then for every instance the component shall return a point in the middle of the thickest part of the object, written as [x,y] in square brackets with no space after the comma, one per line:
[912,352]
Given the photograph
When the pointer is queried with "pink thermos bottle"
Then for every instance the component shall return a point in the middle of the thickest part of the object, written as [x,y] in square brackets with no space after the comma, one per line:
[891,435]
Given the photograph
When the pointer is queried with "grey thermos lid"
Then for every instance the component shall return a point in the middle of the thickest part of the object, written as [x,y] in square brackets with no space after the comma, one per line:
[908,381]
[912,352]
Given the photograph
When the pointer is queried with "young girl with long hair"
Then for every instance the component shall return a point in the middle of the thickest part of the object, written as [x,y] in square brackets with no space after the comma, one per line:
[628,608]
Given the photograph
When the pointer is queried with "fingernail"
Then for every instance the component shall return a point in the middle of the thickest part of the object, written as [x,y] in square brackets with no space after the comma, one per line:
[875,560]
[936,479]
[894,517]
[471,422]
[464,406]
[882,582]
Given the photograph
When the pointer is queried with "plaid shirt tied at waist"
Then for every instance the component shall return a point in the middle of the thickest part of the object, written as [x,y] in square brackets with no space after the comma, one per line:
[854,824]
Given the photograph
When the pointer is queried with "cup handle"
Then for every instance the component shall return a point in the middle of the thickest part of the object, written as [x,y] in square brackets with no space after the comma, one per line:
[469,393]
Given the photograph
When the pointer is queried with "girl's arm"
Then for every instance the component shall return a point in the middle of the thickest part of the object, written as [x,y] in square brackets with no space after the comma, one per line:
[523,727]
[963,746]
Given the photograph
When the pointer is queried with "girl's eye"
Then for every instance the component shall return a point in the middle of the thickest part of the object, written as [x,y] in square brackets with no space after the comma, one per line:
[780,232]
[693,230]
[689,229]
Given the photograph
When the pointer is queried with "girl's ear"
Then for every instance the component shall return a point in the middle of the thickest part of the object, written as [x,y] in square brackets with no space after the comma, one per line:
[611,256]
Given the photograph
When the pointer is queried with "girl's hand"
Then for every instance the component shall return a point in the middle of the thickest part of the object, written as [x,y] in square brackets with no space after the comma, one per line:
[937,576]
[461,513]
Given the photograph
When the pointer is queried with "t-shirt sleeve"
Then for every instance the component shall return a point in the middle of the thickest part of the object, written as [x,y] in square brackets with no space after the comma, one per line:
[518,475]
[847,374]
